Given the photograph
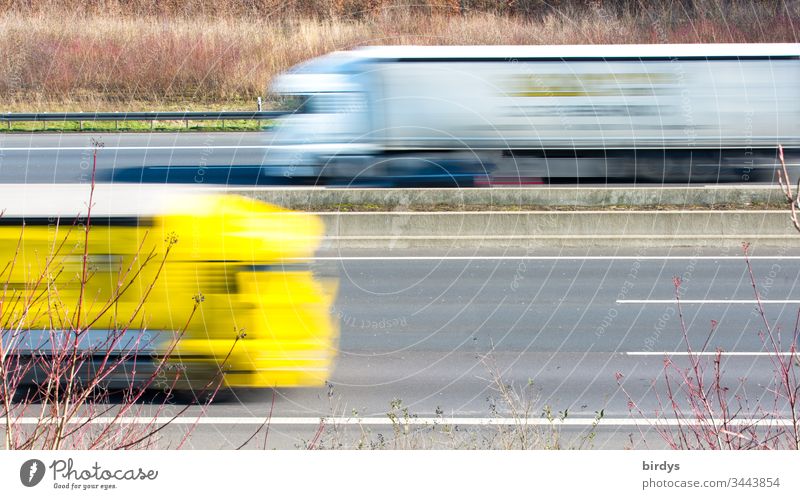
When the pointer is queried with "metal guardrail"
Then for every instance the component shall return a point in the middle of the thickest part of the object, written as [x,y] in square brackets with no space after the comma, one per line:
[185,116]
[143,116]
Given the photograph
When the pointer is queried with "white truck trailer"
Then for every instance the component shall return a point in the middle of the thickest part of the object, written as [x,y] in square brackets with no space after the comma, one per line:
[457,114]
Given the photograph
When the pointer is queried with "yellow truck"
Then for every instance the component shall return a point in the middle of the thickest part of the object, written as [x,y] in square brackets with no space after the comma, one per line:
[180,290]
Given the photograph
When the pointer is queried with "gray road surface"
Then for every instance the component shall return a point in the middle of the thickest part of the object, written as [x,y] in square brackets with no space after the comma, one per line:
[437,333]
[222,157]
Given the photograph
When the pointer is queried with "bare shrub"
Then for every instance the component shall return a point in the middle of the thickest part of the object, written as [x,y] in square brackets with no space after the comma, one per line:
[58,370]
[193,54]
[708,410]
[792,196]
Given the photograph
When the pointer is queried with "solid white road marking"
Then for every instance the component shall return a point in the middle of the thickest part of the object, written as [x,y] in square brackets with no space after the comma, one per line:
[542,212]
[545,258]
[709,302]
[130,148]
[713,354]
[465,421]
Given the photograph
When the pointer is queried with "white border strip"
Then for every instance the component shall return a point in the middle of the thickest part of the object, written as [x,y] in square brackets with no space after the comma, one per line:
[792,238]
[544,258]
[464,421]
[561,213]
[713,354]
[130,148]
[707,302]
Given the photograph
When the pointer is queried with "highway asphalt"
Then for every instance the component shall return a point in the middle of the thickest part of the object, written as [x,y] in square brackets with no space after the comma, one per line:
[438,334]
[67,158]
[191,157]
[442,332]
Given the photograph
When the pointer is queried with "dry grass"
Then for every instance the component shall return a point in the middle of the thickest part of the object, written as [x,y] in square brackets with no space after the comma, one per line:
[143,54]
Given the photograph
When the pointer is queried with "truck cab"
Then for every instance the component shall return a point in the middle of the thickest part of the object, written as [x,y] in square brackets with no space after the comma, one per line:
[337,133]
[328,119]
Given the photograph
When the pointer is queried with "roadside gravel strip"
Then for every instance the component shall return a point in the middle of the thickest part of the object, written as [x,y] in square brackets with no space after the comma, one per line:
[615,198]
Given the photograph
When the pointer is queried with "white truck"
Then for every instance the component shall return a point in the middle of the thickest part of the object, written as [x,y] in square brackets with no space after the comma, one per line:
[459,115]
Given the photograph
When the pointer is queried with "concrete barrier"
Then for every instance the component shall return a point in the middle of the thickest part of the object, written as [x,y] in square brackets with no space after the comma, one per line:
[553,228]
[570,216]
[478,225]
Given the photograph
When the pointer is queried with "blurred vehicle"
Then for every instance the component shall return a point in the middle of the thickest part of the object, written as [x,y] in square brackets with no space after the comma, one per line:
[418,115]
[262,318]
